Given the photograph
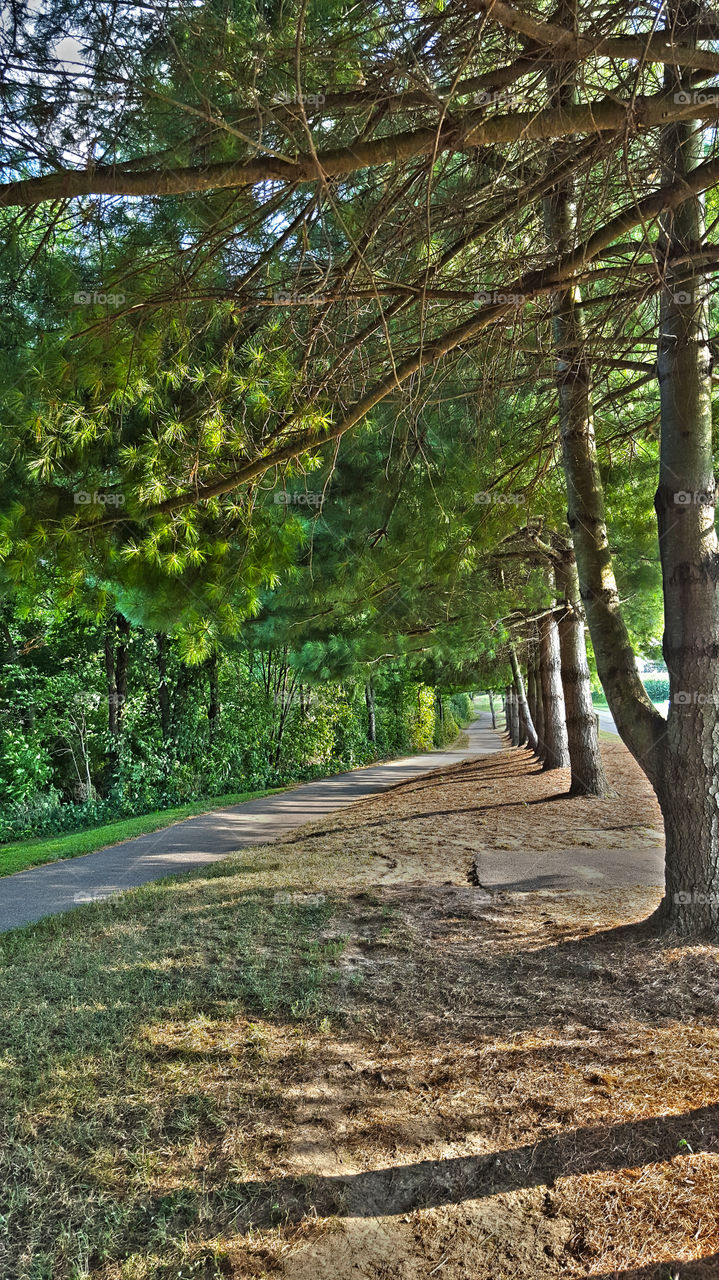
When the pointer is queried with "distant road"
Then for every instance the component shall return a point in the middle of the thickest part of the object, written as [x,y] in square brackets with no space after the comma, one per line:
[606,719]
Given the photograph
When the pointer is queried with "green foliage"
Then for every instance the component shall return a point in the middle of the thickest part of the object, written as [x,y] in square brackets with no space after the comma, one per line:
[62,769]
[657,687]
[25,767]
[461,705]
[445,730]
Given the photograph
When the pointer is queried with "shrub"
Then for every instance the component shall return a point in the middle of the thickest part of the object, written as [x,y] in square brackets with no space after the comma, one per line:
[657,687]
[462,709]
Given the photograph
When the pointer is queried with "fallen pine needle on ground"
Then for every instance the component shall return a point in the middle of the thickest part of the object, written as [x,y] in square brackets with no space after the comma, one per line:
[335,1057]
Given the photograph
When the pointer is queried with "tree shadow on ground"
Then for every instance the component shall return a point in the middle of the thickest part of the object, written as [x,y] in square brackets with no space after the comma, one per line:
[429,1184]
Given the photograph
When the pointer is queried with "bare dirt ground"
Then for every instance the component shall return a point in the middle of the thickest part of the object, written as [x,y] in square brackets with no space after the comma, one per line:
[525,1087]
[334,1057]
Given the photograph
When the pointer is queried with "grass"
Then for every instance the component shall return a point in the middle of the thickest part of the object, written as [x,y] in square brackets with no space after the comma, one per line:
[33,853]
[134,1035]
[235,1074]
[22,854]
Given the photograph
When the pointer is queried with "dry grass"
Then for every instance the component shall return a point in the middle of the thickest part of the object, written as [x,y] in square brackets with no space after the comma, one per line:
[407,1079]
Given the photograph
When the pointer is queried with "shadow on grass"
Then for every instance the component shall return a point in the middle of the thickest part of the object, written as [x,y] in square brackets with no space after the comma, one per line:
[429,1184]
[86,1003]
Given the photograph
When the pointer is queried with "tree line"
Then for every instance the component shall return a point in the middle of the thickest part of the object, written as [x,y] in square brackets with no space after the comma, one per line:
[470,227]
[100,721]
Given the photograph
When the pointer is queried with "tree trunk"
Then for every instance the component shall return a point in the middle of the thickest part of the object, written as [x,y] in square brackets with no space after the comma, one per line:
[513,712]
[636,718]
[588,776]
[523,739]
[556,749]
[531,686]
[371,717]
[122,658]
[688,549]
[213,703]
[116,662]
[679,756]
[110,680]
[179,697]
[163,692]
[538,716]
[492,710]
[528,733]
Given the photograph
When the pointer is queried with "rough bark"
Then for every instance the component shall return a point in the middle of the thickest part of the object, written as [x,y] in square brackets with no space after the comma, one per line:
[514,717]
[531,686]
[680,756]
[638,722]
[539,701]
[689,553]
[556,748]
[110,683]
[509,714]
[117,635]
[528,733]
[588,776]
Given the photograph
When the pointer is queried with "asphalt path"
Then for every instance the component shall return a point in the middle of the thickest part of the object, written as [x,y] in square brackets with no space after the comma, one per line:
[55,887]
[29,895]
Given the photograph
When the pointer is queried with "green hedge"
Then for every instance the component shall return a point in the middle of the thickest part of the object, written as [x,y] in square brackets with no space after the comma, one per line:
[657,687]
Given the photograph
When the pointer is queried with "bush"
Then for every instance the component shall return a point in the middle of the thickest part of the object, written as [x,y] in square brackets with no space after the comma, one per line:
[25,766]
[462,708]
[657,687]
[68,773]
[445,731]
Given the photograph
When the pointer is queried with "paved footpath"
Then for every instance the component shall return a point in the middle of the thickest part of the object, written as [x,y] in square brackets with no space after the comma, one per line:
[58,886]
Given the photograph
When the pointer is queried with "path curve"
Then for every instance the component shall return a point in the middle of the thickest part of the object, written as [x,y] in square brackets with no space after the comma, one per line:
[29,895]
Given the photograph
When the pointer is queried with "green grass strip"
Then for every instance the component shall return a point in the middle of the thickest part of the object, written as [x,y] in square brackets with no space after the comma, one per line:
[33,853]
